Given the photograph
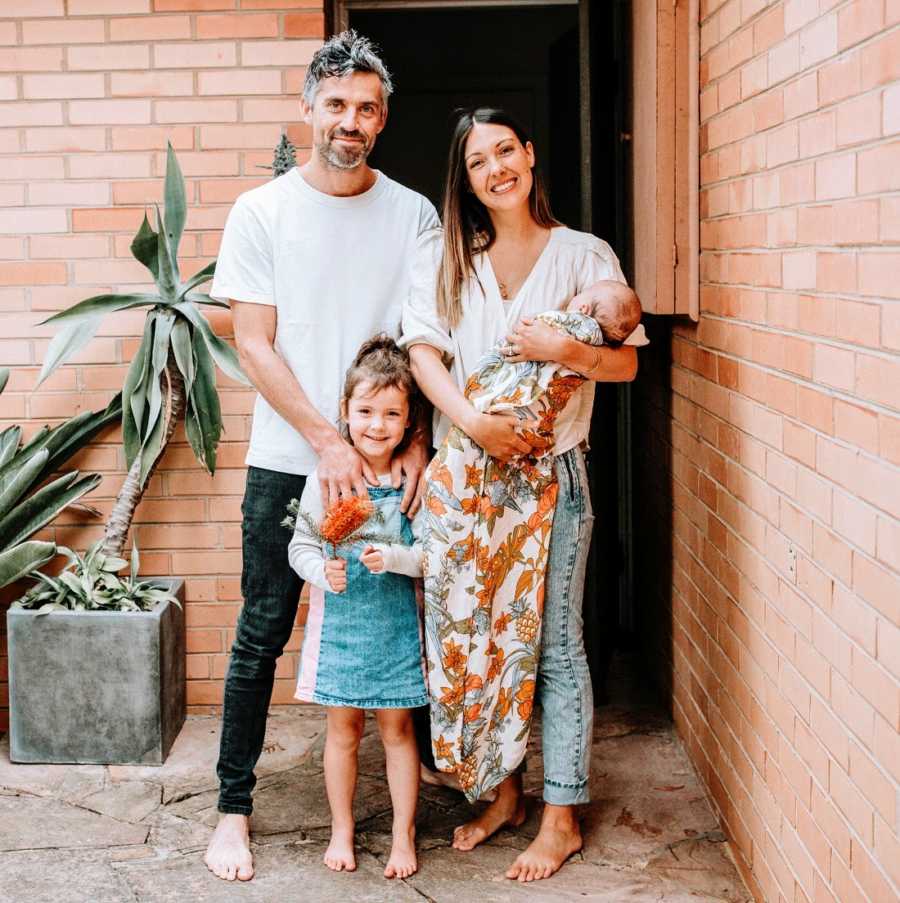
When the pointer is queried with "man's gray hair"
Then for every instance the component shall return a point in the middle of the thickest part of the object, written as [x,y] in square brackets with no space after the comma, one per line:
[339,56]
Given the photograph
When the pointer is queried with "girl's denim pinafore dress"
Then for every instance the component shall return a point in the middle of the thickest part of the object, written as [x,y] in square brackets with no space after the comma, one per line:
[363,648]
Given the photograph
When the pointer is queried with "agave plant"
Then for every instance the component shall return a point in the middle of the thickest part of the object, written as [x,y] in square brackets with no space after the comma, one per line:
[91,583]
[25,508]
[284,158]
[173,373]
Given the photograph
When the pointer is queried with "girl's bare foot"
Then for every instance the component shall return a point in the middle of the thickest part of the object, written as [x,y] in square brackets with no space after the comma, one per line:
[339,856]
[228,855]
[402,862]
[508,809]
[558,838]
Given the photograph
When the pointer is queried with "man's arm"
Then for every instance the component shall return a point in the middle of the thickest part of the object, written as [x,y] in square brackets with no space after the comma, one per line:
[341,469]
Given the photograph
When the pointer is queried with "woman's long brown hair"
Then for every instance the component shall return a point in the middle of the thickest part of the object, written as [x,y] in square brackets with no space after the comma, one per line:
[467,224]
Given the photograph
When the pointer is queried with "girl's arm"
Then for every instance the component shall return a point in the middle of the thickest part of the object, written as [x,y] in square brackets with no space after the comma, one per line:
[495,433]
[396,557]
[305,551]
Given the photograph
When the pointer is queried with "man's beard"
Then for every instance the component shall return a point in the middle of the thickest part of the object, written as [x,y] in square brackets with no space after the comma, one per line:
[344,157]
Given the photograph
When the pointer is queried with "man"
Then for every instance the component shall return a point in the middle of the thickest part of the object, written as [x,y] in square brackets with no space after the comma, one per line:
[313,264]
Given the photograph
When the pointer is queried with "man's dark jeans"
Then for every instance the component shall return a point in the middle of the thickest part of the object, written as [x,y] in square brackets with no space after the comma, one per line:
[271,591]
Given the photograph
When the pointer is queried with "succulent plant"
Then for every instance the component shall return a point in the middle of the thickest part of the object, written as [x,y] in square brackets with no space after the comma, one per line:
[91,583]
[284,159]
[173,373]
[25,505]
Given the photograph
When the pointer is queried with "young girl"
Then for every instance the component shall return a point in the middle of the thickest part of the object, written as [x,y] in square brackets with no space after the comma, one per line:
[362,647]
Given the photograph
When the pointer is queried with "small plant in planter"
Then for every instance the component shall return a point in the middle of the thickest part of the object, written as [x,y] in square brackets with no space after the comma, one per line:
[123,665]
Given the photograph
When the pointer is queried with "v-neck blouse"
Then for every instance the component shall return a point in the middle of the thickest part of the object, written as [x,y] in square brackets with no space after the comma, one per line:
[570,262]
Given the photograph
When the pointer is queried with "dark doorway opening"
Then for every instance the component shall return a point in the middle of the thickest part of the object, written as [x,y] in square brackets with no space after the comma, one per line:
[523,59]
[532,60]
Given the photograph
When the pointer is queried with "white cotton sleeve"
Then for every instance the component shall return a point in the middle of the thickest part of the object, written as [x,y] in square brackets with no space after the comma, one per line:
[305,552]
[421,323]
[244,265]
[598,262]
[400,559]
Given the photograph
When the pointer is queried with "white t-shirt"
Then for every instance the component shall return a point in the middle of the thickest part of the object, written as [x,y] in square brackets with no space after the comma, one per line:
[570,262]
[337,270]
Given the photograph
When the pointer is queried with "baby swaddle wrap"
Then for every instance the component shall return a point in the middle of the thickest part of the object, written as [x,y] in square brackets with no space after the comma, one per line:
[486,543]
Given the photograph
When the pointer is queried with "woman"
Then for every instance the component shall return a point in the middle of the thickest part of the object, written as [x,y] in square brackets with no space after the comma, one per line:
[502,258]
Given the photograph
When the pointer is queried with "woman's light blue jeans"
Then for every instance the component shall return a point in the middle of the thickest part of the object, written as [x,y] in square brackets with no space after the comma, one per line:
[564,681]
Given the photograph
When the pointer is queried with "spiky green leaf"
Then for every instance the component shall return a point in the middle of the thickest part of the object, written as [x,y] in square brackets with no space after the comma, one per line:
[4,376]
[198,278]
[9,443]
[24,558]
[67,342]
[201,298]
[184,354]
[175,203]
[144,247]
[134,394]
[223,354]
[39,509]
[167,279]
[206,403]
[99,305]
[23,480]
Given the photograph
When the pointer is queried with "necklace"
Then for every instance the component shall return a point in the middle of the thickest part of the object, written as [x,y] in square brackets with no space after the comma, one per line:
[504,291]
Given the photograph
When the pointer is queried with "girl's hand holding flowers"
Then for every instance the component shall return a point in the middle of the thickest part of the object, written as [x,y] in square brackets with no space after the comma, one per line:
[336,574]
[372,559]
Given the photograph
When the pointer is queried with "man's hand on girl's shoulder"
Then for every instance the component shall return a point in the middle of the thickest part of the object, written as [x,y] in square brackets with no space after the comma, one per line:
[410,464]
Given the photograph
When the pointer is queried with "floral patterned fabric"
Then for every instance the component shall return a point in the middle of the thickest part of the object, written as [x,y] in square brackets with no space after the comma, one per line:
[486,541]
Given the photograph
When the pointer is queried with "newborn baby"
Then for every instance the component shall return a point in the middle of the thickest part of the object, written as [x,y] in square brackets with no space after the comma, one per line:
[614,306]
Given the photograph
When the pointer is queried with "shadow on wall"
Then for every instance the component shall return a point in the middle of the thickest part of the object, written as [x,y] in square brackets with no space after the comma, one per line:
[652,483]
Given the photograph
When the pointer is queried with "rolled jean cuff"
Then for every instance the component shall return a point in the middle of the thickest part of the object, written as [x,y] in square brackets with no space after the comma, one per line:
[235,809]
[566,794]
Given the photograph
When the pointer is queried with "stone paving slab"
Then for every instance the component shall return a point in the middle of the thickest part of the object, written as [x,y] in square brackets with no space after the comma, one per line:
[136,834]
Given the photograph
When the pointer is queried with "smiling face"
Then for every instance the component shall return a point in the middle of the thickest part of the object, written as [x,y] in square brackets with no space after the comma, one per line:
[499,166]
[346,116]
[376,421]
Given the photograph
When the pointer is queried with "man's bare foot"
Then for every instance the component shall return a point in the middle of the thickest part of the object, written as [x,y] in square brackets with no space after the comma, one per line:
[507,810]
[339,856]
[558,838]
[402,862]
[228,855]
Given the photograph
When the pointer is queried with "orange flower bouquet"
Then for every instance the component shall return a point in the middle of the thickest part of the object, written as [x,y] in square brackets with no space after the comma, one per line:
[343,523]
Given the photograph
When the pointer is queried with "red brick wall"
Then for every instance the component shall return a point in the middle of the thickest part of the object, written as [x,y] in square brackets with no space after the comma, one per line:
[90,91]
[768,443]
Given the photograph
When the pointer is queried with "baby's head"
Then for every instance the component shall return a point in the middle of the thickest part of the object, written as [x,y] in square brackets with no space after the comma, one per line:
[615,307]
[381,400]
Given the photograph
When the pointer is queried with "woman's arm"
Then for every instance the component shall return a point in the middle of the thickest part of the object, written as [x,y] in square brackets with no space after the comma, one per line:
[495,433]
[534,340]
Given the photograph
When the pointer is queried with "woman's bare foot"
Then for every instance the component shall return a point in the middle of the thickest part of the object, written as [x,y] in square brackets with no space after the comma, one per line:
[558,838]
[339,856]
[228,855]
[438,778]
[402,862]
[507,810]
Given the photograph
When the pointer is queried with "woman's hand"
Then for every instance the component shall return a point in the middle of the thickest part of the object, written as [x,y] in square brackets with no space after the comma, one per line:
[498,435]
[534,340]
[411,463]
[372,559]
[336,574]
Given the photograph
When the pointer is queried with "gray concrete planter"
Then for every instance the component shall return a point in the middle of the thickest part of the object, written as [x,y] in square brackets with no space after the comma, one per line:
[97,687]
